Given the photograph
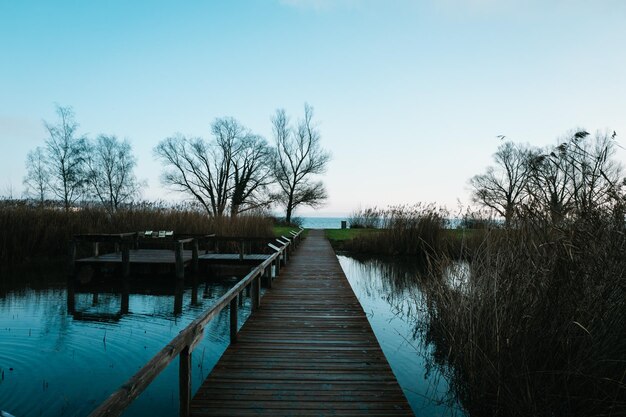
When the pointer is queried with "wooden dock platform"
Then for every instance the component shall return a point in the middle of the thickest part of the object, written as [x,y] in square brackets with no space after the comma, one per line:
[139,256]
[307,351]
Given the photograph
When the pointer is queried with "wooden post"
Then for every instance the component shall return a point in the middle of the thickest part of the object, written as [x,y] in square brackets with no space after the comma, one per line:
[96,249]
[194,255]
[71,296]
[256,294]
[194,290]
[125,297]
[180,264]
[233,319]
[116,247]
[178,297]
[288,242]
[267,273]
[71,260]
[241,249]
[184,381]
[125,260]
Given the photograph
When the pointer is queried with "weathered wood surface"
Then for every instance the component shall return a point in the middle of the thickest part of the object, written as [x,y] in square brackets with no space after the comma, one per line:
[216,257]
[308,350]
[183,344]
[140,256]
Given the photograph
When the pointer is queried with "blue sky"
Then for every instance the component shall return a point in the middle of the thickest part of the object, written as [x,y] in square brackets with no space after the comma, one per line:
[409,95]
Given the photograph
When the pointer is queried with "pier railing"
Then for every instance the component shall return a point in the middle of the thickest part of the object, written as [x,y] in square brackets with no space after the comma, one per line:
[184,343]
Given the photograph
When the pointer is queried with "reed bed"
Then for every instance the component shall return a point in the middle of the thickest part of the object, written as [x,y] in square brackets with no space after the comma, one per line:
[539,327]
[417,230]
[28,233]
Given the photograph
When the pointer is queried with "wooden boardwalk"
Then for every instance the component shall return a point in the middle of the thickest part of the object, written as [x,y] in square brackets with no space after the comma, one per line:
[308,351]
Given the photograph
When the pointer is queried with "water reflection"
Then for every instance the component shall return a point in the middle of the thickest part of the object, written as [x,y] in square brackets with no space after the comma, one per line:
[389,291]
[65,348]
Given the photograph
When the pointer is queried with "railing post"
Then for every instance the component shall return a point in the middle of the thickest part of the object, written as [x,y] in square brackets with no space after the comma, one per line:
[288,241]
[194,255]
[180,264]
[233,319]
[267,273]
[256,294]
[125,260]
[96,249]
[241,249]
[184,381]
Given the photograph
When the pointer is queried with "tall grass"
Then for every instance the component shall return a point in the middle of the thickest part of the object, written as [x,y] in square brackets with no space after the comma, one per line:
[368,218]
[28,232]
[416,230]
[539,328]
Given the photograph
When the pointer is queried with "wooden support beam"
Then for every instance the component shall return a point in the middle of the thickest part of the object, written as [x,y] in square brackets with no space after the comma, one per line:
[233,319]
[180,264]
[267,274]
[184,381]
[125,260]
[194,256]
[71,261]
[256,294]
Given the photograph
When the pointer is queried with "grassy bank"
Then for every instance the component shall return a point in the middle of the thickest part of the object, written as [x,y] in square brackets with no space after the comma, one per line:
[417,231]
[28,233]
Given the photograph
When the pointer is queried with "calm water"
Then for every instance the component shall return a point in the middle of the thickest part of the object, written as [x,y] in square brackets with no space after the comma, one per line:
[390,295]
[63,358]
[322,222]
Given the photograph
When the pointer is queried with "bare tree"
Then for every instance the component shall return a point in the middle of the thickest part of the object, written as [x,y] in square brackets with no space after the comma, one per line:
[66,152]
[298,157]
[230,170]
[110,172]
[548,185]
[501,188]
[594,174]
[251,175]
[36,180]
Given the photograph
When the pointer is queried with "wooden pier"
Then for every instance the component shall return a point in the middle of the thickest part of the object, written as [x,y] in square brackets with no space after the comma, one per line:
[307,350]
[127,253]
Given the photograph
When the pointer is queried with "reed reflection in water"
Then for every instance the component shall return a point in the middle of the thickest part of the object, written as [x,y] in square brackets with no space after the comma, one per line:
[389,291]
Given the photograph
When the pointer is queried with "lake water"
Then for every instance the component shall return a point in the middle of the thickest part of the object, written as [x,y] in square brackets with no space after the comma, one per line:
[322,222]
[61,358]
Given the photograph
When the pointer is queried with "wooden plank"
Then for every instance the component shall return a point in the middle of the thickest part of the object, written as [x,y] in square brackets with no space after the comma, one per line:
[140,256]
[309,350]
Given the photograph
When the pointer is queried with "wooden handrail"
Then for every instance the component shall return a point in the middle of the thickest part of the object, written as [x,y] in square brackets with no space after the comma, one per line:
[183,345]
[105,237]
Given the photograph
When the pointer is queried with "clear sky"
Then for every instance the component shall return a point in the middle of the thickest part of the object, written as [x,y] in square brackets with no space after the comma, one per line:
[409,95]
